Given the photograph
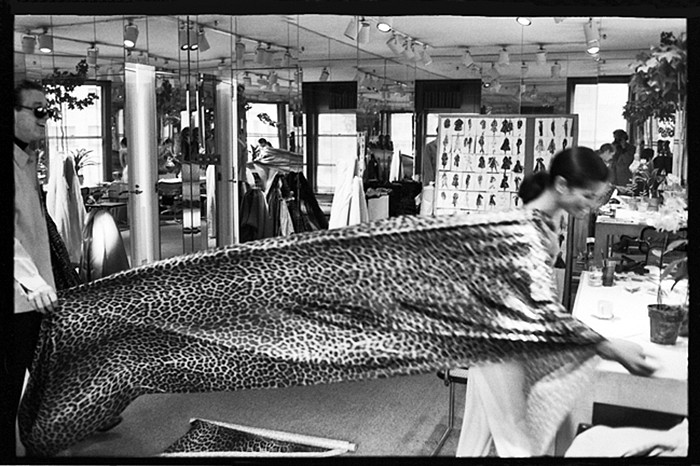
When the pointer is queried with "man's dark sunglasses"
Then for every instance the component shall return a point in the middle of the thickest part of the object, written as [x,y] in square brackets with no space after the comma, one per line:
[41,112]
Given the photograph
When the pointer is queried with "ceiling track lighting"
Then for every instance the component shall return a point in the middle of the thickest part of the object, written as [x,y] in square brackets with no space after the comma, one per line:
[523,20]
[92,53]
[351,29]
[556,70]
[541,56]
[259,54]
[385,24]
[202,40]
[28,44]
[590,31]
[46,42]
[286,59]
[394,45]
[467,58]
[524,69]
[269,56]
[363,34]
[131,34]
[240,53]
[503,57]
[427,59]
[325,74]
[407,52]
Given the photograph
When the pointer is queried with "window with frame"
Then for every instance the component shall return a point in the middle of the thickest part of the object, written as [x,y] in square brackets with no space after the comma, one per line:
[599,107]
[337,138]
[81,131]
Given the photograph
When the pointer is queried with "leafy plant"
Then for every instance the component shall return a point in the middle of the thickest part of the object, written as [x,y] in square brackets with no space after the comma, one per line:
[659,82]
[60,84]
[82,158]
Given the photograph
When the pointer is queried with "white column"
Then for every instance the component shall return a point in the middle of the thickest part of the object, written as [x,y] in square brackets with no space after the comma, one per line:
[227,180]
[141,134]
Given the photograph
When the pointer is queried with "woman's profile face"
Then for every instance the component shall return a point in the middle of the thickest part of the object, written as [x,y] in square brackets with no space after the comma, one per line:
[579,201]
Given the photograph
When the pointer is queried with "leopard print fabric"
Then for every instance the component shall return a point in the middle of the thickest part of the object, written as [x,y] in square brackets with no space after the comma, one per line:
[405,295]
[209,437]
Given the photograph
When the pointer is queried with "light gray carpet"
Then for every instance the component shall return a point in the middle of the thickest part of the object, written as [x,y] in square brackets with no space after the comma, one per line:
[401,416]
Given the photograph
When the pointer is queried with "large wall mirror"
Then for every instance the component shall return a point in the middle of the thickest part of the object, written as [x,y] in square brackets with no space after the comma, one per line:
[503,67]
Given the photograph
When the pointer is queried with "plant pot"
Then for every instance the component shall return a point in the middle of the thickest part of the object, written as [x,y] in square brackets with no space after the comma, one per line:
[665,323]
[684,331]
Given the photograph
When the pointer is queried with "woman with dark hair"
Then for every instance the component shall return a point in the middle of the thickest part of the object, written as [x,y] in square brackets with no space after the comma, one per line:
[495,419]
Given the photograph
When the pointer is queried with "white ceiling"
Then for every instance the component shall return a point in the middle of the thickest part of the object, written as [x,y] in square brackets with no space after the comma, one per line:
[316,41]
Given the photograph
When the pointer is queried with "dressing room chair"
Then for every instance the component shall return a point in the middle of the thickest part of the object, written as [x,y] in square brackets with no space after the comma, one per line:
[450,377]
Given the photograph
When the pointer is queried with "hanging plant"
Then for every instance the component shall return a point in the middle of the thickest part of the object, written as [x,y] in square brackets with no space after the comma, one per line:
[265,118]
[60,84]
[169,102]
[659,82]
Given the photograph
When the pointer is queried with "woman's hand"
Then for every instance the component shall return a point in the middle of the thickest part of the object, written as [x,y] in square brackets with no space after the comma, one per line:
[629,354]
[43,299]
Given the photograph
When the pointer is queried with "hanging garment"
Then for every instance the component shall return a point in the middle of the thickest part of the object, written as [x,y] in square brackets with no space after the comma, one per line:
[455,181]
[286,223]
[518,144]
[492,200]
[256,222]
[492,183]
[493,165]
[518,168]
[551,148]
[466,181]
[480,179]
[211,200]
[346,169]
[552,128]
[540,145]
[516,199]
[104,253]
[504,182]
[455,159]
[455,198]
[444,159]
[446,123]
[505,147]
[372,168]
[64,203]
[443,181]
[64,274]
[215,330]
[539,128]
[458,124]
[481,143]
[566,128]
[517,183]
[305,211]
[564,143]
[469,124]
[479,200]
[539,166]
[272,161]
[520,124]
[483,124]
[506,163]
[494,126]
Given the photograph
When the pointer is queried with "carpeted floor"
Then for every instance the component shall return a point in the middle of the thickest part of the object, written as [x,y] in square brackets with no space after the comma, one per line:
[401,416]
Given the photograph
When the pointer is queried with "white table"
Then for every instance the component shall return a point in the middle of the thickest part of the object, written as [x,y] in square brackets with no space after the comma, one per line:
[666,390]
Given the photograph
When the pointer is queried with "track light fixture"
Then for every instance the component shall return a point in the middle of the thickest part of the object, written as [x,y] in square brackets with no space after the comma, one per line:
[394,45]
[131,34]
[559,19]
[351,29]
[523,20]
[503,57]
[324,74]
[92,53]
[407,52]
[28,44]
[286,59]
[202,40]
[363,34]
[46,42]
[541,56]
[247,81]
[427,59]
[524,69]
[269,56]
[590,30]
[240,53]
[467,58]
[556,70]
[259,54]
[385,24]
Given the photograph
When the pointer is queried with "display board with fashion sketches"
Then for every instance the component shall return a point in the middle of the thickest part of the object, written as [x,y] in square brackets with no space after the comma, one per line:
[482,159]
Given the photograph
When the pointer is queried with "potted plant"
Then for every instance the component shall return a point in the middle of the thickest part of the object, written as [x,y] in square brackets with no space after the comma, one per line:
[659,86]
[666,319]
[81,159]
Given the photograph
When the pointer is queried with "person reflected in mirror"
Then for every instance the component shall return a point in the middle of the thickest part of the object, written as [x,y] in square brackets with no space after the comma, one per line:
[622,158]
[166,157]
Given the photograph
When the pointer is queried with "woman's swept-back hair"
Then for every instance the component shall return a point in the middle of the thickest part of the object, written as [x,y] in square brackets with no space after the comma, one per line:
[579,166]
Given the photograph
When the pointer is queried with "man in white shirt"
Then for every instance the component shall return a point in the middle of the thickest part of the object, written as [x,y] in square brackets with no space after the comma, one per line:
[34,286]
